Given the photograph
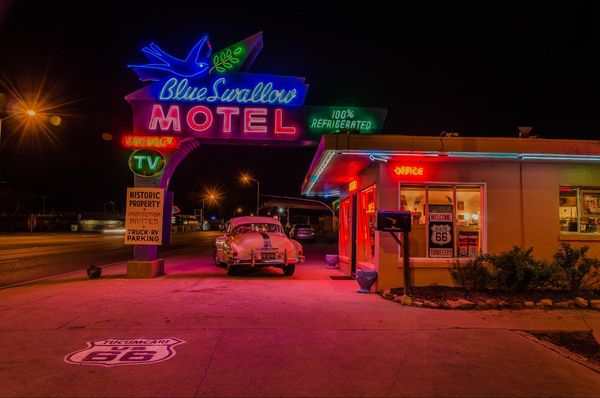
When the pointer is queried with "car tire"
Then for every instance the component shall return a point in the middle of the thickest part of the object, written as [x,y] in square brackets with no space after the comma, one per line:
[232,270]
[289,270]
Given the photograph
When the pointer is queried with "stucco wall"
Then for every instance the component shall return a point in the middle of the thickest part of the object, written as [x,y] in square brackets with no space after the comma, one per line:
[505,207]
[542,226]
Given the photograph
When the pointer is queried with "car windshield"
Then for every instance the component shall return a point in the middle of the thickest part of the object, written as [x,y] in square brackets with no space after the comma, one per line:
[262,227]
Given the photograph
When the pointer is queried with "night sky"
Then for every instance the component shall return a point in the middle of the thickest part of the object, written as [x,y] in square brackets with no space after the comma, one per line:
[473,68]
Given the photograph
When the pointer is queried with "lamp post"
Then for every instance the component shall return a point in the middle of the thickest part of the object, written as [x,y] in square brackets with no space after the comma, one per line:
[44,204]
[246,179]
[212,196]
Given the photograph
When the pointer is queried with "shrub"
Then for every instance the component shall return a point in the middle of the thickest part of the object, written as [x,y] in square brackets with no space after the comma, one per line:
[517,270]
[472,275]
[574,265]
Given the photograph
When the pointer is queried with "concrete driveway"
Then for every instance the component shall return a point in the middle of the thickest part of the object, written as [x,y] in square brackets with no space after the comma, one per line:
[263,334]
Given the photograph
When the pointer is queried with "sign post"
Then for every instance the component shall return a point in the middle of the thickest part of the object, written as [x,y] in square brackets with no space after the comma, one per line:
[398,221]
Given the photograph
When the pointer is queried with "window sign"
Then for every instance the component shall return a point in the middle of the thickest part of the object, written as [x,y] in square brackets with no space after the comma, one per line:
[468,243]
[335,119]
[441,231]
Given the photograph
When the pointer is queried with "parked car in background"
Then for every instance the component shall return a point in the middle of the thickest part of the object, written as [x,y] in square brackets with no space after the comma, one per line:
[303,232]
[251,242]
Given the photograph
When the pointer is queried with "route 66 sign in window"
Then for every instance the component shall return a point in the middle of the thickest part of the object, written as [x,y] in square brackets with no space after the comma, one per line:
[441,234]
[441,231]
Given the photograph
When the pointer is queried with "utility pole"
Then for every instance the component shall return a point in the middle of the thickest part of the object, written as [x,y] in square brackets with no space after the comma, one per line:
[44,204]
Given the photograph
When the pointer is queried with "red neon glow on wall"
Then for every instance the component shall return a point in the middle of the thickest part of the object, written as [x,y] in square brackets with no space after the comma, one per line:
[149,141]
[408,170]
[345,223]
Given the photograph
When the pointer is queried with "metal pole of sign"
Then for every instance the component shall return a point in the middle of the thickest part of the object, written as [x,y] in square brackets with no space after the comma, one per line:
[405,261]
[406,258]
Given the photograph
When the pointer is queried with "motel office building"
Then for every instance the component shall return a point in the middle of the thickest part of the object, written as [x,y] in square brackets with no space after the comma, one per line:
[466,196]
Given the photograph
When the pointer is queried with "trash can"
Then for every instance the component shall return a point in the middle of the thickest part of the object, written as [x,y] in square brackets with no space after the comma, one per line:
[332,260]
[365,278]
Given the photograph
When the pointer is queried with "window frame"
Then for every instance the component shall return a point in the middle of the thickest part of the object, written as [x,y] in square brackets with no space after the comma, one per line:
[425,185]
[578,189]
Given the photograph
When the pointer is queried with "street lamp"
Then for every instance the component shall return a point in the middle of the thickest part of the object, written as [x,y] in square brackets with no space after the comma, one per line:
[212,196]
[28,112]
[246,180]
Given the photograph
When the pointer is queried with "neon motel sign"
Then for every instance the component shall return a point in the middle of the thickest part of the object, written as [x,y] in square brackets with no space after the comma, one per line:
[209,95]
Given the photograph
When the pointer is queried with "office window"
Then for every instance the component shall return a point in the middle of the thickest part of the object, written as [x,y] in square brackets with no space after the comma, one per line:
[579,210]
[446,219]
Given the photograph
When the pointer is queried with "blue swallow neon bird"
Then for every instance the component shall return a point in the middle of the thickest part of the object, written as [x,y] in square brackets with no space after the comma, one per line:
[161,65]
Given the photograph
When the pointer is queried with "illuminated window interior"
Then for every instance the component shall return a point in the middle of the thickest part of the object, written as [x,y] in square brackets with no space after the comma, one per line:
[455,230]
[579,209]
[365,250]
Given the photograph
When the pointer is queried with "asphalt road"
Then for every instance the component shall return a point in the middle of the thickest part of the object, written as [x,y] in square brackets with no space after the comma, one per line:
[262,334]
[28,257]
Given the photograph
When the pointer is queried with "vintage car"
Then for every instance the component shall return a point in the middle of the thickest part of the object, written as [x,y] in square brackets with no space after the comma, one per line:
[251,242]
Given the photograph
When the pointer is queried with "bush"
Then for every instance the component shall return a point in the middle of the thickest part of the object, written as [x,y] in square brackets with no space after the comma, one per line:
[473,275]
[517,270]
[574,265]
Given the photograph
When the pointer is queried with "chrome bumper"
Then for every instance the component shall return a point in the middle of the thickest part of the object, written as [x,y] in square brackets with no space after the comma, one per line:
[257,262]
